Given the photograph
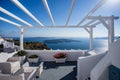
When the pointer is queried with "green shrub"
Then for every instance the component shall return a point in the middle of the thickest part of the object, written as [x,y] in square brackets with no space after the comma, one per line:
[21,53]
[33,56]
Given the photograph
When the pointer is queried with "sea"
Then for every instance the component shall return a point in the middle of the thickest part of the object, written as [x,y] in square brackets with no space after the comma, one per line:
[55,43]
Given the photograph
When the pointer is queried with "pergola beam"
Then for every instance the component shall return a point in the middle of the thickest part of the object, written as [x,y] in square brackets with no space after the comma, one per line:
[101,17]
[26,11]
[11,22]
[95,24]
[90,22]
[71,9]
[108,22]
[104,23]
[92,11]
[87,30]
[14,16]
[49,12]
[63,27]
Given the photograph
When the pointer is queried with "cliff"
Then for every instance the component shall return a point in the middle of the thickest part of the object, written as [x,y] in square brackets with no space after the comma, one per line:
[33,45]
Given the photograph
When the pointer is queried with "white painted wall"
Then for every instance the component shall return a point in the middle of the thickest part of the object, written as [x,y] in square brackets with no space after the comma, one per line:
[47,55]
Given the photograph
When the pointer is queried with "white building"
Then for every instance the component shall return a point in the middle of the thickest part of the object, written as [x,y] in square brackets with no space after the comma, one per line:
[1,40]
[7,43]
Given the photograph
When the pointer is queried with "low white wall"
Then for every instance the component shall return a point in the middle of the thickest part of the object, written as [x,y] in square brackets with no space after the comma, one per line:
[5,56]
[86,64]
[47,55]
[100,71]
[115,53]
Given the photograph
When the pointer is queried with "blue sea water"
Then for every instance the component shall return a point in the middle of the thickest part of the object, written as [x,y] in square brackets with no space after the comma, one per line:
[80,43]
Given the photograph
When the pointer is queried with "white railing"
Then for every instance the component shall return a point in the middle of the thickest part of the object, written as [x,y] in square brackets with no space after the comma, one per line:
[47,55]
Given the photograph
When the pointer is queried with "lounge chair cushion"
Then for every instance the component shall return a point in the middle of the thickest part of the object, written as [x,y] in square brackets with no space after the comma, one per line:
[9,67]
[12,77]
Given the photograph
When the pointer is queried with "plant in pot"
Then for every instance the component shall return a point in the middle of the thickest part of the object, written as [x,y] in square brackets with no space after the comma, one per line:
[60,57]
[20,55]
[33,58]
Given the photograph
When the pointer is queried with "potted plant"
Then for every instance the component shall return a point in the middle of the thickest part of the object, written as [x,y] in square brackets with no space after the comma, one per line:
[20,55]
[60,57]
[33,58]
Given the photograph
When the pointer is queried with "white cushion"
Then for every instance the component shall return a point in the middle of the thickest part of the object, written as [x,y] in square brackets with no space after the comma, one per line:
[15,66]
[9,67]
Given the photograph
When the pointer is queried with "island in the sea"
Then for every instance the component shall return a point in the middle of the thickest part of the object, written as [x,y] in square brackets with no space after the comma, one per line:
[55,41]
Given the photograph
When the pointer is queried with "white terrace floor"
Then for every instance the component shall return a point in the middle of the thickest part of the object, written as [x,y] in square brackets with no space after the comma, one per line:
[59,71]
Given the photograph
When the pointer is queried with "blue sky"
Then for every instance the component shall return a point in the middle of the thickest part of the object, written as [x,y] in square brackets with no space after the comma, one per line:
[59,10]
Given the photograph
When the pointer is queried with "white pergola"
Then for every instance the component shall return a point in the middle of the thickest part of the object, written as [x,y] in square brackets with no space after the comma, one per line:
[107,21]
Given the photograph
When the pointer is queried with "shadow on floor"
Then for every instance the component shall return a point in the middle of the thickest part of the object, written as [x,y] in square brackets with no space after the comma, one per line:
[59,71]
[71,76]
[48,65]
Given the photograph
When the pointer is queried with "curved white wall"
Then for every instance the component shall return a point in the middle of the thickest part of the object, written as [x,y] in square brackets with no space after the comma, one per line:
[115,53]
[86,64]
[100,71]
